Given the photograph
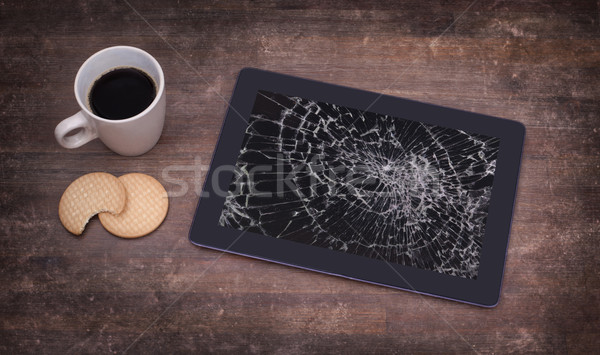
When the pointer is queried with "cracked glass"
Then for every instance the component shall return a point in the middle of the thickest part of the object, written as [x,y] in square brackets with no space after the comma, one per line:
[363,183]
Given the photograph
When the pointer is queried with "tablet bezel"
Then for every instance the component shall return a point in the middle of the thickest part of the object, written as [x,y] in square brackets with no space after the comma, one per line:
[483,291]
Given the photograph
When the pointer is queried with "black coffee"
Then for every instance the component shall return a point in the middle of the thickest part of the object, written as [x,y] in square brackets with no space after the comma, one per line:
[122,93]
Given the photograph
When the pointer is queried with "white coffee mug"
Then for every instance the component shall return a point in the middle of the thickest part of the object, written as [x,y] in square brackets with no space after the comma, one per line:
[130,136]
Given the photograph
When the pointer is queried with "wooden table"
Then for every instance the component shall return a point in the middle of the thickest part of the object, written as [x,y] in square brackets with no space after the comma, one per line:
[534,62]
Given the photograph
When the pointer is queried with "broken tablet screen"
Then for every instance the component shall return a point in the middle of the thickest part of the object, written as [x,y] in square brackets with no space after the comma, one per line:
[363,183]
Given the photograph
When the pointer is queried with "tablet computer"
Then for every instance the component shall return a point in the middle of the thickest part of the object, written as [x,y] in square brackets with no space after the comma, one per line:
[361,185]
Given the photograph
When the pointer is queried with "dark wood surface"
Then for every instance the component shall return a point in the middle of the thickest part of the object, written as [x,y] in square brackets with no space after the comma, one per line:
[535,62]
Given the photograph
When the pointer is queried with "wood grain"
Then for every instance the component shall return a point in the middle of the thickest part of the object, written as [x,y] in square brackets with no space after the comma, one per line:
[535,62]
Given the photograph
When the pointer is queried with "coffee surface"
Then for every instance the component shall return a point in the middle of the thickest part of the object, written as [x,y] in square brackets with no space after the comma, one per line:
[121,93]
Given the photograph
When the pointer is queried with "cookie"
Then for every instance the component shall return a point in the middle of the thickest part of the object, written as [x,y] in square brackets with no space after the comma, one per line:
[88,195]
[147,205]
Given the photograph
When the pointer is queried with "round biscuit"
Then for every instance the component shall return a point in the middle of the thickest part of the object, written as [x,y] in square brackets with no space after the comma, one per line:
[147,205]
[88,195]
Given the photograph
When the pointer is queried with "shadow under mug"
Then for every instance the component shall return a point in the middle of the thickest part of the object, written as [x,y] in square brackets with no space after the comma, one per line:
[130,136]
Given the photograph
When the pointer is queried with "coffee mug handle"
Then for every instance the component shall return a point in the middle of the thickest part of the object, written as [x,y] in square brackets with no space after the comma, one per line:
[77,121]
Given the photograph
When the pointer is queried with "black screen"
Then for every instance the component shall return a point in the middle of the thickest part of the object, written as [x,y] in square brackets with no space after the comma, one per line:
[363,183]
